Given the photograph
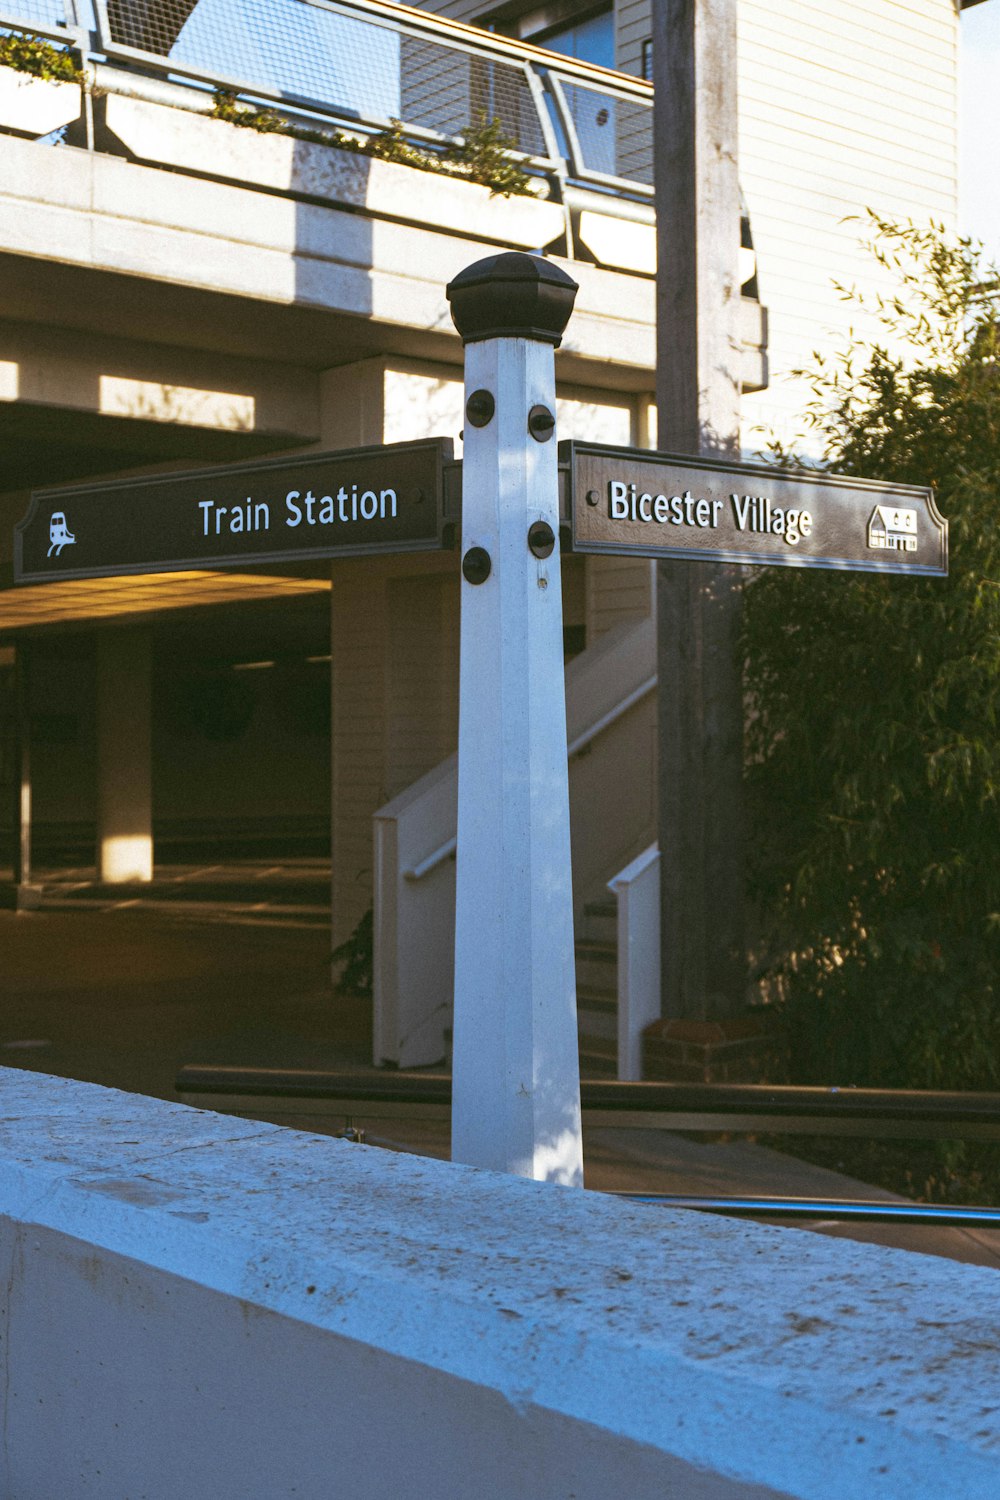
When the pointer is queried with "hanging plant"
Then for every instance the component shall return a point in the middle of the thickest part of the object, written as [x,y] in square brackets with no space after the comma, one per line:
[481,154]
[26,53]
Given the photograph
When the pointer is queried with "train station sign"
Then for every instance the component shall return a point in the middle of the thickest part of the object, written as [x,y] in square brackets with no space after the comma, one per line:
[628,502]
[357,502]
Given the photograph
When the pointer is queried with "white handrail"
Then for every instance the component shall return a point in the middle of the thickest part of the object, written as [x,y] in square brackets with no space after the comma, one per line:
[447,850]
[637,891]
[612,716]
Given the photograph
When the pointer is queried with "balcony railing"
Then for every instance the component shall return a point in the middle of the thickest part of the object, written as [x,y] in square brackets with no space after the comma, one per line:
[365,63]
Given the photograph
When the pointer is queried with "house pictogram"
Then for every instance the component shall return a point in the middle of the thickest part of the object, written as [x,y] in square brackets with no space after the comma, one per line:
[892,529]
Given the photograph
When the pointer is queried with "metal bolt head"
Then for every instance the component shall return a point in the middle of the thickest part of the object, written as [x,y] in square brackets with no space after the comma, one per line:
[476,565]
[480,407]
[541,423]
[541,539]
[593,498]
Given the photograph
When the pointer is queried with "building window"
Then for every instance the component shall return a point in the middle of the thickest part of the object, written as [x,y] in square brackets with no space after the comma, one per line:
[591,39]
[647,59]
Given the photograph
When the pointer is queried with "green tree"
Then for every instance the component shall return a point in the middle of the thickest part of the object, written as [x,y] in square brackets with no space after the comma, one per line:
[873,768]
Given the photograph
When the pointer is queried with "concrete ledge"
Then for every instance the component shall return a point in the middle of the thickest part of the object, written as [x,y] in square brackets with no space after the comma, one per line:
[198,1305]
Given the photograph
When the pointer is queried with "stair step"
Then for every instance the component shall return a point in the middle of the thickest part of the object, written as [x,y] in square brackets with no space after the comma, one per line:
[596,967]
[597,1015]
[600,921]
[598,1058]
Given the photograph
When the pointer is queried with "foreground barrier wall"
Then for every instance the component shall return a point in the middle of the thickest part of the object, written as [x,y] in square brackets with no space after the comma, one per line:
[201,1306]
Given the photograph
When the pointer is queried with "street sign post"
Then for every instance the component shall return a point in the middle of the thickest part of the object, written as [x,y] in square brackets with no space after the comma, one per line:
[353,503]
[625,501]
[515,1066]
[516,1091]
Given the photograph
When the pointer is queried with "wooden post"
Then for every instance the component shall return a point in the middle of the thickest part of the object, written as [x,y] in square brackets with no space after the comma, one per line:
[516,1079]
[698,604]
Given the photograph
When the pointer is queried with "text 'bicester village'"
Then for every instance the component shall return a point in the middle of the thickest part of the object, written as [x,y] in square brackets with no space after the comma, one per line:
[628,501]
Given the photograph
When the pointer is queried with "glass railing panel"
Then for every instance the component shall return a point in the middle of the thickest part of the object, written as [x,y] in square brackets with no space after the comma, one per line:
[614,132]
[279,47]
[444,89]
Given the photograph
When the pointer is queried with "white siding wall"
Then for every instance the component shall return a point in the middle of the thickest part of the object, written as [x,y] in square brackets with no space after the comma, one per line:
[619,592]
[844,104]
[634,27]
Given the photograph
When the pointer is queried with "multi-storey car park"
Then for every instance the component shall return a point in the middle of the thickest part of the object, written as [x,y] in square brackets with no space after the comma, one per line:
[178,289]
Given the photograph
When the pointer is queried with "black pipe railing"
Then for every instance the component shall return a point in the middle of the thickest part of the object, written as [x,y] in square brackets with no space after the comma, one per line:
[791,1110]
[863,1210]
[671,1106]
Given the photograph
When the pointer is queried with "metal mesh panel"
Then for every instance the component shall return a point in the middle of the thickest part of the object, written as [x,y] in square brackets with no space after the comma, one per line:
[39,13]
[615,134]
[349,64]
[274,46]
[634,128]
[445,89]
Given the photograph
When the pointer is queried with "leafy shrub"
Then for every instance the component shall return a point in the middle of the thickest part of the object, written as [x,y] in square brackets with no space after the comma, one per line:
[251,117]
[27,53]
[874,753]
[481,155]
[356,954]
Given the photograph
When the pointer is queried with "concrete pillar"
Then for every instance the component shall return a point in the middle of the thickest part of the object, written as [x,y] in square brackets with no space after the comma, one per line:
[124,757]
[27,895]
[516,1077]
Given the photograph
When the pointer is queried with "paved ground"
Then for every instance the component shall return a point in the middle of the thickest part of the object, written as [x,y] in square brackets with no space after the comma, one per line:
[230,963]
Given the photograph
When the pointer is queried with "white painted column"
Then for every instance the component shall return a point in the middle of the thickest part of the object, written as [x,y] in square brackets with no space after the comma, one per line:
[516,1080]
[27,896]
[124,757]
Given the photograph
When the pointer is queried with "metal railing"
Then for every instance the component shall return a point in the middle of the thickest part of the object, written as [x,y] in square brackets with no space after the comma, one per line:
[881,1113]
[846,1210]
[49,18]
[365,63]
[583,741]
[361,65]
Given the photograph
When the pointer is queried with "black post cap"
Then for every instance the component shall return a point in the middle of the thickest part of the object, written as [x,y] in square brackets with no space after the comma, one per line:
[513,296]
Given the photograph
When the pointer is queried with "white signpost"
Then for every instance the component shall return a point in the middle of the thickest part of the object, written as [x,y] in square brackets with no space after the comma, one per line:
[515,1076]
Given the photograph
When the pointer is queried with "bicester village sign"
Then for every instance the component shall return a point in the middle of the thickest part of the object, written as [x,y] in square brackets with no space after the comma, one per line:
[353,503]
[624,501]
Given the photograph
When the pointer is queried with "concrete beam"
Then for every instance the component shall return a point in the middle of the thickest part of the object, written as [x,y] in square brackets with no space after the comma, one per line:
[200,1305]
[68,369]
[380,281]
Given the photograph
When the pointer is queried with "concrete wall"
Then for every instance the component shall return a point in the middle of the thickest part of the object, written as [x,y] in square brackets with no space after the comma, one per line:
[193,1305]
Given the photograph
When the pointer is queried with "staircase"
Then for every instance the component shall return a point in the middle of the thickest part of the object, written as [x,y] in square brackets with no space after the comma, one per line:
[611,723]
[597,988]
